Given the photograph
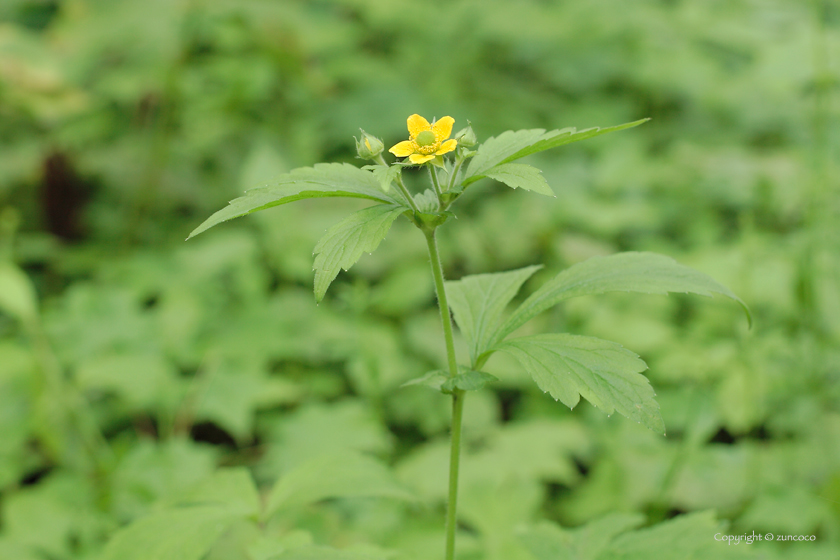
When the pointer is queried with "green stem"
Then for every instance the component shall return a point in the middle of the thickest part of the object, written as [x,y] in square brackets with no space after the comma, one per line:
[445,317]
[454,463]
[407,195]
[435,182]
[457,396]
[455,175]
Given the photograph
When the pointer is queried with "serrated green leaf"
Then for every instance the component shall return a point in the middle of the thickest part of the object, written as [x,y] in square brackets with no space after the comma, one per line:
[625,272]
[512,145]
[385,174]
[548,541]
[686,536]
[427,202]
[499,149]
[335,475]
[467,381]
[603,372]
[478,302]
[345,242]
[520,176]
[232,487]
[322,180]
[185,534]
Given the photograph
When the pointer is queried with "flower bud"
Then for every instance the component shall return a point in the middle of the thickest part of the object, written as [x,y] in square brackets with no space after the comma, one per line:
[466,137]
[368,147]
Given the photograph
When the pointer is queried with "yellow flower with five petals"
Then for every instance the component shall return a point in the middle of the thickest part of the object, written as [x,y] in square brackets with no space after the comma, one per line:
[426,140]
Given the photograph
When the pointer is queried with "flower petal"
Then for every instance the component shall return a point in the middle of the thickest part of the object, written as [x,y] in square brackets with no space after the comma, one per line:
[420,158]
[443,128]
[447,147]
[404,148]
[417,124]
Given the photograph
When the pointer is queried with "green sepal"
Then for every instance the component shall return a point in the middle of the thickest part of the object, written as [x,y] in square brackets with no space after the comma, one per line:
[464,152]
[438,162]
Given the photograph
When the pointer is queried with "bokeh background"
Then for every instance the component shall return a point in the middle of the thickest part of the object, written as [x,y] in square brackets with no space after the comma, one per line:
[133,364]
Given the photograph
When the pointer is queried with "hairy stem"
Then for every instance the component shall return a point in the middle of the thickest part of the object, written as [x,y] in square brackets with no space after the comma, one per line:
[403,190]
[436,184]
[457,396]
[445,317]
[454,463]
[455,172]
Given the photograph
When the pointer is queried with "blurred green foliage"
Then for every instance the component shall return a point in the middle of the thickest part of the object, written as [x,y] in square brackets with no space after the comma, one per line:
[144,364]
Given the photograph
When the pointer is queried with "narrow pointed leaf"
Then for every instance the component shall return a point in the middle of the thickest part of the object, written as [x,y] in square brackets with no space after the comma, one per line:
[521,176]
[345,242]
[433,379]
[343,474]
[604,373]
[478,302]
[322,180]
[467,381]
[510,146]
[647,273]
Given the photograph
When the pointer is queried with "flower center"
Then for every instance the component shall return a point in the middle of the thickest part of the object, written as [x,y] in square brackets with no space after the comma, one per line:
[425,138]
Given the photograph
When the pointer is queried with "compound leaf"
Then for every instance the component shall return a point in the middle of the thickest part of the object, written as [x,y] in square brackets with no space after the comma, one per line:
[512,145]
[345,242]
[478,302]
[625,272]
[499,149]
[324,179]
[603,372]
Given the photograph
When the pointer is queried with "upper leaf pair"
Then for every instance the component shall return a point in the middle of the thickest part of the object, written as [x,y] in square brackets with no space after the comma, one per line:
[344,243]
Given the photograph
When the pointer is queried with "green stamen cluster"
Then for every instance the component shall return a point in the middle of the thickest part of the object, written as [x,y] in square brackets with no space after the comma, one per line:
[425,138]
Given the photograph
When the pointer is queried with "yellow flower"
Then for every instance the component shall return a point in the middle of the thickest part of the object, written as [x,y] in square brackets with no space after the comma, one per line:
[426,140]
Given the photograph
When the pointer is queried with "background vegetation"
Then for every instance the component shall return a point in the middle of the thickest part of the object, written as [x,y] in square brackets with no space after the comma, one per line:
[148,363]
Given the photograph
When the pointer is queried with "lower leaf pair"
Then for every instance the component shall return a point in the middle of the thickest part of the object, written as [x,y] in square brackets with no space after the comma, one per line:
[569,366]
